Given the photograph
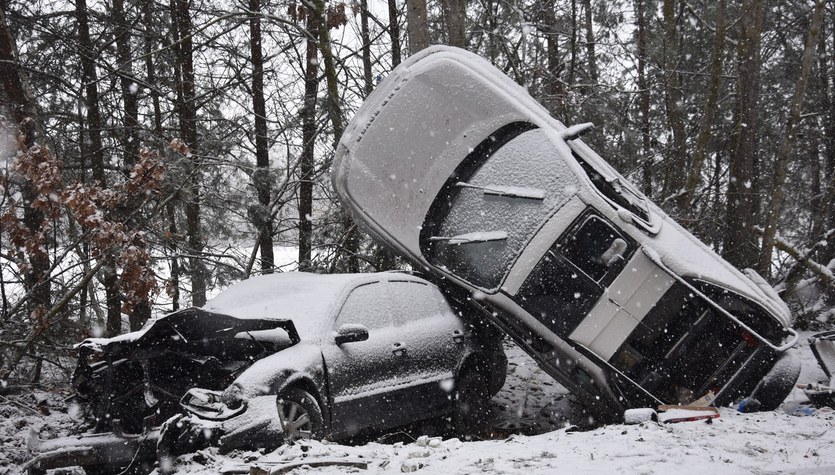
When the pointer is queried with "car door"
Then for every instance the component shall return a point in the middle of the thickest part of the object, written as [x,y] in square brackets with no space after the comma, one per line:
[361,373]
[433,340]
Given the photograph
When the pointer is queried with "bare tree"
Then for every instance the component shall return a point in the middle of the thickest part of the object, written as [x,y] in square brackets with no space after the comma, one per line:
[742,198]
[784,153]
[417,25]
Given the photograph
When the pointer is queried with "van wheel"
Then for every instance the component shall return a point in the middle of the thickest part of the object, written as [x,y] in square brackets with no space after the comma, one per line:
[472,403]
[300,415]
[778,383]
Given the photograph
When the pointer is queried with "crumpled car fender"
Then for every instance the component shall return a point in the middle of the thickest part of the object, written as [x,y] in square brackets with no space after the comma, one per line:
[270,375]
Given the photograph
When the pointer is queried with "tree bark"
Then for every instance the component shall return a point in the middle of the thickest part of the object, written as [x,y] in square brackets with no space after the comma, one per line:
[554,87]
[740,247]
[24,111]
[187,112]
[784,153]
[418,26]
[394,32]
[708,116]
[590,53]
[261,177]
[306,167]
[129,88]
[644,99]
[675,163]
[366,48]
[455,12]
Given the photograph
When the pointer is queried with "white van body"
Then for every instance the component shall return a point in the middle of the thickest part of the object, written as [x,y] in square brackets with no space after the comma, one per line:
[456,167]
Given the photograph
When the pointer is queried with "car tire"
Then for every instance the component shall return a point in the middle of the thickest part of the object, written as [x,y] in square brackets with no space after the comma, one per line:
[300,415]
[472,403]
[778,383]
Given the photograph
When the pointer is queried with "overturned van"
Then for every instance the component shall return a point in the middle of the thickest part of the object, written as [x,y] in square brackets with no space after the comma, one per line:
[453,165]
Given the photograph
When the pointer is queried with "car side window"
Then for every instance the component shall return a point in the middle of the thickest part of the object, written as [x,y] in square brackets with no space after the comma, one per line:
[367,305]
[594,248]
[412,301]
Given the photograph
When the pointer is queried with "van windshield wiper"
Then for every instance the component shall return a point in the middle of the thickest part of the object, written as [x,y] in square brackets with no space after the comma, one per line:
[469,238]
[508,191]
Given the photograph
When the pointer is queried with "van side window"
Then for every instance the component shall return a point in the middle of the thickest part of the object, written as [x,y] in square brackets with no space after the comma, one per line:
[569,279]
[587,248]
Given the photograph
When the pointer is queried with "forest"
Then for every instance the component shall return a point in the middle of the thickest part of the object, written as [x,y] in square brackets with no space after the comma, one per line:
[154,152]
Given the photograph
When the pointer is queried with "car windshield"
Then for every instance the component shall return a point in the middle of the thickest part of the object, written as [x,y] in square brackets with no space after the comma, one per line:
[494,203]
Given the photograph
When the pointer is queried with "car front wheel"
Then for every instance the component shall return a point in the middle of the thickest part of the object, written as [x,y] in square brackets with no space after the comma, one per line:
[300,415]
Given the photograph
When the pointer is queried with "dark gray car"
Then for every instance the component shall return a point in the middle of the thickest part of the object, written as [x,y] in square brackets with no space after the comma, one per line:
[336,354]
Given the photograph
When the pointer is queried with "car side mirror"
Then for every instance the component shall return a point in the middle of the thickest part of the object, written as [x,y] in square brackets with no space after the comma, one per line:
[350,333]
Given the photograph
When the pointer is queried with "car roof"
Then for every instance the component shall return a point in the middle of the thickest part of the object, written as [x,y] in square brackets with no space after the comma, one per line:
[308,299]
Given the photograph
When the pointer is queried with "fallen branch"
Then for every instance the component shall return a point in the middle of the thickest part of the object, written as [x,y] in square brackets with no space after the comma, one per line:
[820,270]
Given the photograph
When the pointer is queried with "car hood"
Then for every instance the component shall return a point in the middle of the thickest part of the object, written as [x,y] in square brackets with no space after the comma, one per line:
[184,326]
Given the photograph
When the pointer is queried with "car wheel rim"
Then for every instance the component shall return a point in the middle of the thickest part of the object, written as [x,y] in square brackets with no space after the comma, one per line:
[295,421]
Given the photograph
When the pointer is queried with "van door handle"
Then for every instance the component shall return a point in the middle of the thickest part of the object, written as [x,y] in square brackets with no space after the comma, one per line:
[458,336]
[398,349]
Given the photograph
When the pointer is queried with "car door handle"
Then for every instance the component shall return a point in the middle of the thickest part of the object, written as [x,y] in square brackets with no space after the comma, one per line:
[399,349]
[458,336]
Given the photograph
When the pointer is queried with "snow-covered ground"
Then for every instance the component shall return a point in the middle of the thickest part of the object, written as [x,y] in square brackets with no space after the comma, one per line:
[788,440]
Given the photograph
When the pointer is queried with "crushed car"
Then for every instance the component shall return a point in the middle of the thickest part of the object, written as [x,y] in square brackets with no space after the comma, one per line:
[277,358]
[453,165]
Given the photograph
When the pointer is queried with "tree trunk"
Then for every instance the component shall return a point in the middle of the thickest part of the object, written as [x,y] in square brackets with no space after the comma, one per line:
[261,177]
[188,129]
[455,12]
[740,248]
[590,53]
[23,108]
[554,88]
[418,26]
[784,153]
[311,87]
[572,64]
[351,238]
[109,279]
[129,88]
[708,116]
[366,48]
[394,32]
[644,99]
[675,163]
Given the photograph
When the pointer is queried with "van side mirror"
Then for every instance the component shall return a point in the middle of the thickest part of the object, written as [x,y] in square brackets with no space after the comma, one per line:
[350,333]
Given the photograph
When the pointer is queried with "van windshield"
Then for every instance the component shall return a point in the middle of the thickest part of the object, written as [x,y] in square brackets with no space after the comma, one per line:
[494,203]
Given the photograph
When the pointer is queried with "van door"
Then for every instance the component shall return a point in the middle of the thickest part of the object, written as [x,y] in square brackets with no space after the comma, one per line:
[571,277]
